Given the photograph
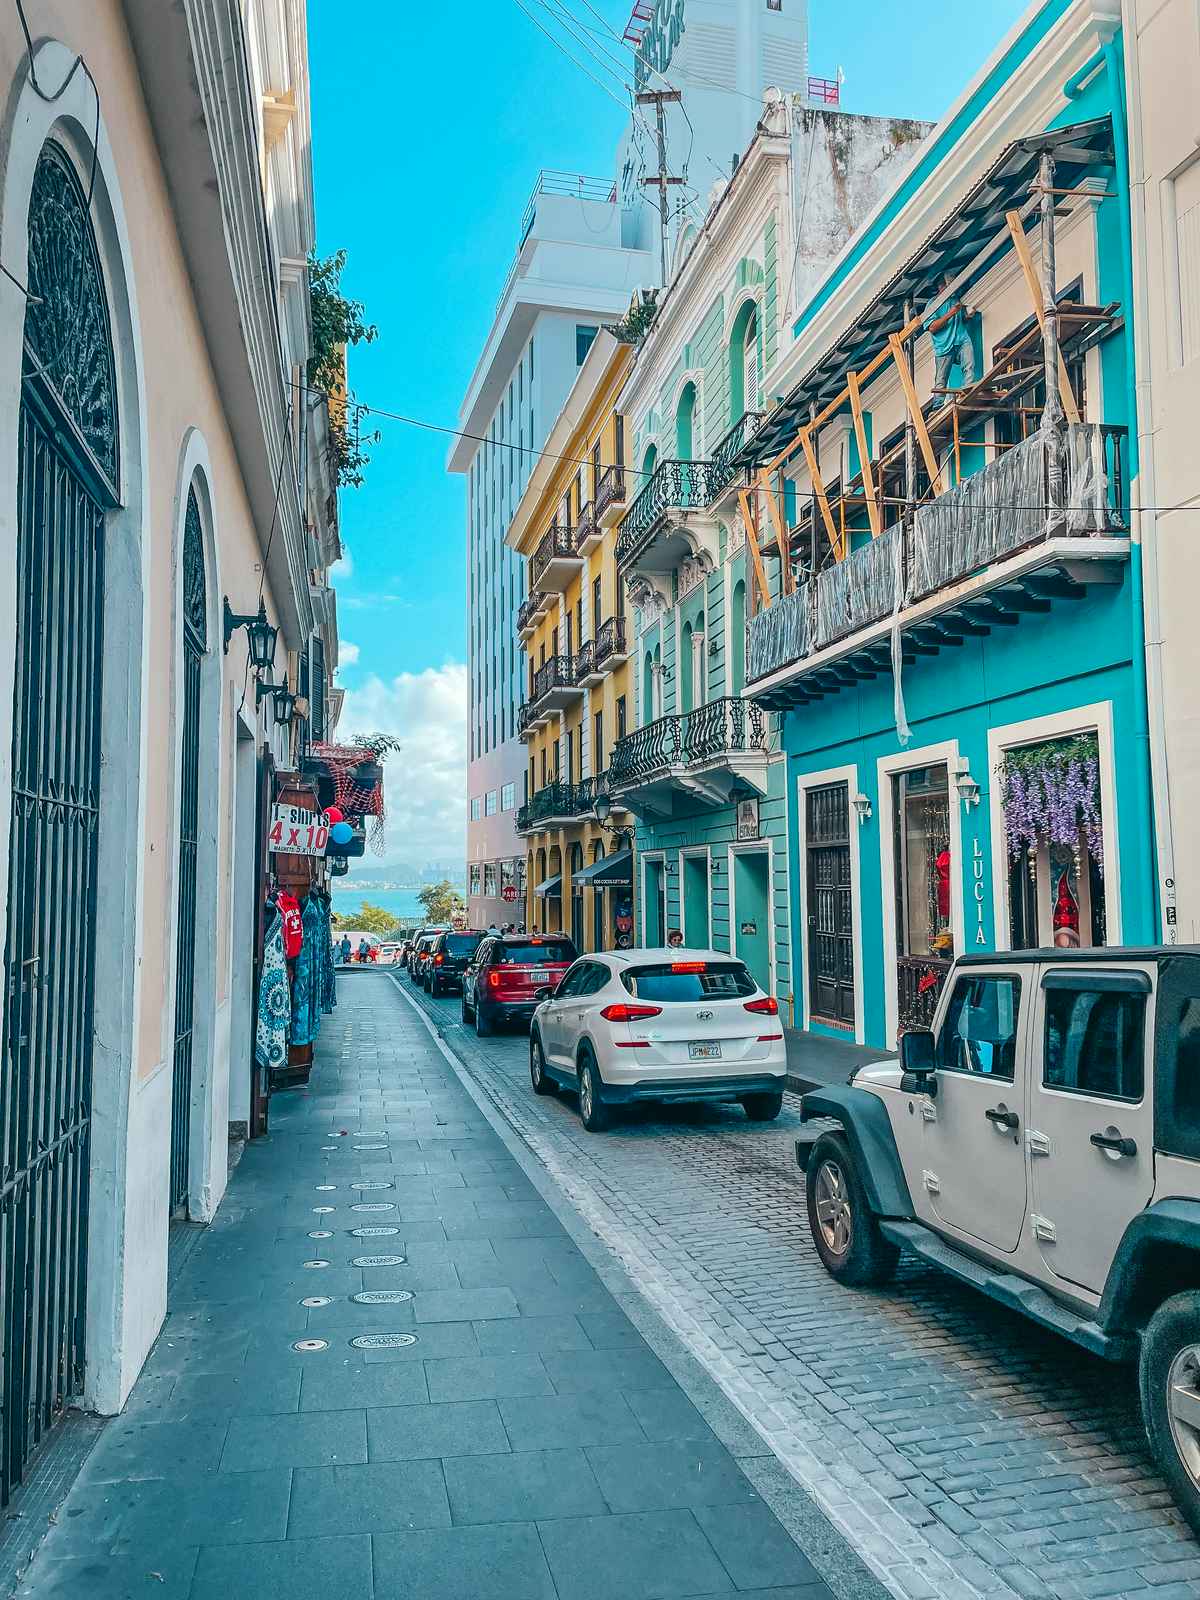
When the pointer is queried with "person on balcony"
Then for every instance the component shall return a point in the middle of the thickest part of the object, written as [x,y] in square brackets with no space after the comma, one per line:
[948,324]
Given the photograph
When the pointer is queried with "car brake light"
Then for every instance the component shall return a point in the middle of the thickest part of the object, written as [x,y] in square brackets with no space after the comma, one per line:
[493,979]
[438,959]
[620,1012]
[689,966]
[769,1038]
[768,1006]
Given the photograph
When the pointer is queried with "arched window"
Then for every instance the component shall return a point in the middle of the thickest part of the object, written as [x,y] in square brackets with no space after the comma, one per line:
[685,423]
[658,681]
[737,630]
[745,365]
[648,712]
[687,688]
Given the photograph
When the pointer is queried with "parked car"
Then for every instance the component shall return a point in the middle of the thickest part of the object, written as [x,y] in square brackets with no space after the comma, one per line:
[452,953]
[356,937]
[388,954]
[415,940]
[1042,1144]
[664,1024]
[422,955]
[509,975]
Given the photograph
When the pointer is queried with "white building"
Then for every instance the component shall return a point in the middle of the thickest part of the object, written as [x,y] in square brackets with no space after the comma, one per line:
[158,456]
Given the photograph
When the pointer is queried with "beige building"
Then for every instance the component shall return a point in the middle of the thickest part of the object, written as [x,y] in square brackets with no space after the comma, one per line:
[159,457]
[575,632]
[1161,40]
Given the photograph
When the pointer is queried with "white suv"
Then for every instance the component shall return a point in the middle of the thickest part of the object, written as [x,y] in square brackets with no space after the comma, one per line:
[1041,1143]
[664,1024]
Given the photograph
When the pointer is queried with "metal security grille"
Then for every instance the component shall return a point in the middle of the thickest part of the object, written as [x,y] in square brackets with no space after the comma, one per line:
[67,461]
[194,645]
[830,904]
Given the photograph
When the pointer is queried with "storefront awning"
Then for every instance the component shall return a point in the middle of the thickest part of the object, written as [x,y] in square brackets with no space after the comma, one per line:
[551,889]
[610,872]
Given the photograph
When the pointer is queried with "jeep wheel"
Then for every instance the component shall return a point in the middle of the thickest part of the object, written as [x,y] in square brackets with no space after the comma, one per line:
[843,1226]
[1169,1381]
[763,1107]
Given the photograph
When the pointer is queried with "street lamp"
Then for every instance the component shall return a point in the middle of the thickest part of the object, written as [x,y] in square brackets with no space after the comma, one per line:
[602,811]
[260,635]
[284,707]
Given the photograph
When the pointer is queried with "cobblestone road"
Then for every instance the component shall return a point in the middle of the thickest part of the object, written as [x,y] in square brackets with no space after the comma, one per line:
[959,1448]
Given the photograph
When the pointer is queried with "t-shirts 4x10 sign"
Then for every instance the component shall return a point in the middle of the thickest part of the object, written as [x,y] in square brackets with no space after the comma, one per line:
[297,832]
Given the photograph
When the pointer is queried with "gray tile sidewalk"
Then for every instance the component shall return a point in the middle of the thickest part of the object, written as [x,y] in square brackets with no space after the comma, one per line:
[506,1434]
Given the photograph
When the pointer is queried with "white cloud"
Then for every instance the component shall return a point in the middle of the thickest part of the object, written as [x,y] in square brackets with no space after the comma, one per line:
[343,567]
[425,783]
[348,653]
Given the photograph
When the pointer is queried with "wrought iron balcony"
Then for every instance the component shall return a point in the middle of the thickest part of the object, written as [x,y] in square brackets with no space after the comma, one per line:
[702,754]
[610,495]
[1000,543]
[530,609]
[587,530]
[676,490]
[561,802]
[611,648]
[722,474]
[556,558]
[587,672]
[525,720]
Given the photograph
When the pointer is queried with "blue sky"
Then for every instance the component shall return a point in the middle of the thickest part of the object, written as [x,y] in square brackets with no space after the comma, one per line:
[430,122]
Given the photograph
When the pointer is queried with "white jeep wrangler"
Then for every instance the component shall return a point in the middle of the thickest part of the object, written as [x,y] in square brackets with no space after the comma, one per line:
[1041,1143]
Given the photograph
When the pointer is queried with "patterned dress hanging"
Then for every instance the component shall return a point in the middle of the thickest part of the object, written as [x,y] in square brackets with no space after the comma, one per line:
[274,1002]
[306,978]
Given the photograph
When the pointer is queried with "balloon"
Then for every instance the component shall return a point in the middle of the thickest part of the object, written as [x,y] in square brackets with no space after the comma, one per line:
[333,815]
[341,833]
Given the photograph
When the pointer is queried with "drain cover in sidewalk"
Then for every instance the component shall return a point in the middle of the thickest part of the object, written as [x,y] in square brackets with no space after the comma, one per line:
[369,1185]
[320,1233]
[379,1261]
[323,1211]
[363,1134]
[314,1263]
[373,1233]
[370,1147]
[382,1297]
[382,1341]
[375,1205]
[312,1301]
[311,1344]
[328,1147]
[326,1188]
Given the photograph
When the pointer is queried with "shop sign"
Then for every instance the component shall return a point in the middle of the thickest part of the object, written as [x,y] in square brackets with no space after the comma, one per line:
[977,870]
[749,929]
[296,831]
[509,892]
[747,819]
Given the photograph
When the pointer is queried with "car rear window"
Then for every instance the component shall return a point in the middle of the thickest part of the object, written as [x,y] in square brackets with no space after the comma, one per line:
[545,952]
[688,980]
[463,944]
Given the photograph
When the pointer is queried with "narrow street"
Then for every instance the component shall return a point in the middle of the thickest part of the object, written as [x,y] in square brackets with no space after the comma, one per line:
[961,1450]
[387,1370]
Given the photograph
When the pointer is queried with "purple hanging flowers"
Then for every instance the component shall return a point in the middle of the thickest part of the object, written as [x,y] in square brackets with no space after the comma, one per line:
[1051,792]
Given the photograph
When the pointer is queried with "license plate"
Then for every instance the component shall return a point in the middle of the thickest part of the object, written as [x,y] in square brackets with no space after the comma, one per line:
[704,1052]
[539,977]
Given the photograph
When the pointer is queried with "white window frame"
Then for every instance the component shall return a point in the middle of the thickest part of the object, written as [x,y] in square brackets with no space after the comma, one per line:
[703,851]
[646,857]
[760,846]
[1097,719]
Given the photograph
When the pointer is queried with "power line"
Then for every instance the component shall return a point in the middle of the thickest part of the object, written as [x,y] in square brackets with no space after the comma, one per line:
[574,60]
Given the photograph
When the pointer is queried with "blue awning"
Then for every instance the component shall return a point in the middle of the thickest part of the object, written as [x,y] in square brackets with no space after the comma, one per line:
[551,888]
[610,872]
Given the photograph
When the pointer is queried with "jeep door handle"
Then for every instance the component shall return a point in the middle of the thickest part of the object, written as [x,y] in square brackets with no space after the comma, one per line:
[1003,1119]
[1123,1147]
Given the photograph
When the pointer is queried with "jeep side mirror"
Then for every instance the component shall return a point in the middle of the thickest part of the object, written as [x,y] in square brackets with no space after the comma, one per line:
[918,1062]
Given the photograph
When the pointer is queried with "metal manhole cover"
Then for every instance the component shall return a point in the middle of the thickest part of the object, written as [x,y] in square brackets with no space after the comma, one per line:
[323,1211]
[311,1344]
[379,1261]
[314,1263]
[382,1297]
[374,1134]
[373,1233]
[375,1205]
[326,1188]
[320,1233]
[372,1184]
[382,1341]
[329,1147]
[312,1301]
[370,1147]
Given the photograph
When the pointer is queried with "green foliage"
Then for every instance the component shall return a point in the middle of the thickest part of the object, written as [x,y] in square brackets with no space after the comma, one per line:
[378,745]
[636,324]
[441,901]
[337,323]
[368,919]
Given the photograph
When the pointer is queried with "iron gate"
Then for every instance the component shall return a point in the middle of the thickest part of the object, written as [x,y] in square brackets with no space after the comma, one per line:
[830,904]
[194,645]
[67,468]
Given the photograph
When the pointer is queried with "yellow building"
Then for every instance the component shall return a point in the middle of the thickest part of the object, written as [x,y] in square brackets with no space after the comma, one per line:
[576,635]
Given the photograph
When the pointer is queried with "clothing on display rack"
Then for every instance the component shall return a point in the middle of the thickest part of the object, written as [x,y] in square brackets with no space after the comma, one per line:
[307,978]
[274,1000]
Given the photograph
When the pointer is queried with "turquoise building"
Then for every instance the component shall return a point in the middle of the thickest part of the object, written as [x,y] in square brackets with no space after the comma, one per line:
[953,642]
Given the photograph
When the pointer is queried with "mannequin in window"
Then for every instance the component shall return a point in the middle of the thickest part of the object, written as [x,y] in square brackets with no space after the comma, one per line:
[1066,916]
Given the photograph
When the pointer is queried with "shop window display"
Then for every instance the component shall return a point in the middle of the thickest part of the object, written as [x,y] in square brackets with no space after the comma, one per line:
[1054,829]
[924,938]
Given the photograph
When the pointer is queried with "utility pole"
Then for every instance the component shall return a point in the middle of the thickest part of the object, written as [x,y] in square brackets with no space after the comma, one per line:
[658,98]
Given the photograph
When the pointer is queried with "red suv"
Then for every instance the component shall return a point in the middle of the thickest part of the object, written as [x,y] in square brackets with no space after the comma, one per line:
[509,975]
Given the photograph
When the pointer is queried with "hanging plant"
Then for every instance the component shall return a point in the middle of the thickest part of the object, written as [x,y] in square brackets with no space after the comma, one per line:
[1050,791]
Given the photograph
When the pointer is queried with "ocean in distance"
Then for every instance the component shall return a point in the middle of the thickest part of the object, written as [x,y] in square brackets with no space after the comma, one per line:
[399,903]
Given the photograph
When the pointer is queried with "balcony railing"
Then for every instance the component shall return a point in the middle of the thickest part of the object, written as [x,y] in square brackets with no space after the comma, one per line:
[585,525]
[1006,507]
[722,727]
[557,673]
[528,610]
[673,486]
[557,545]
[561,800]
[721,471]
[610,490]
[610,640]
